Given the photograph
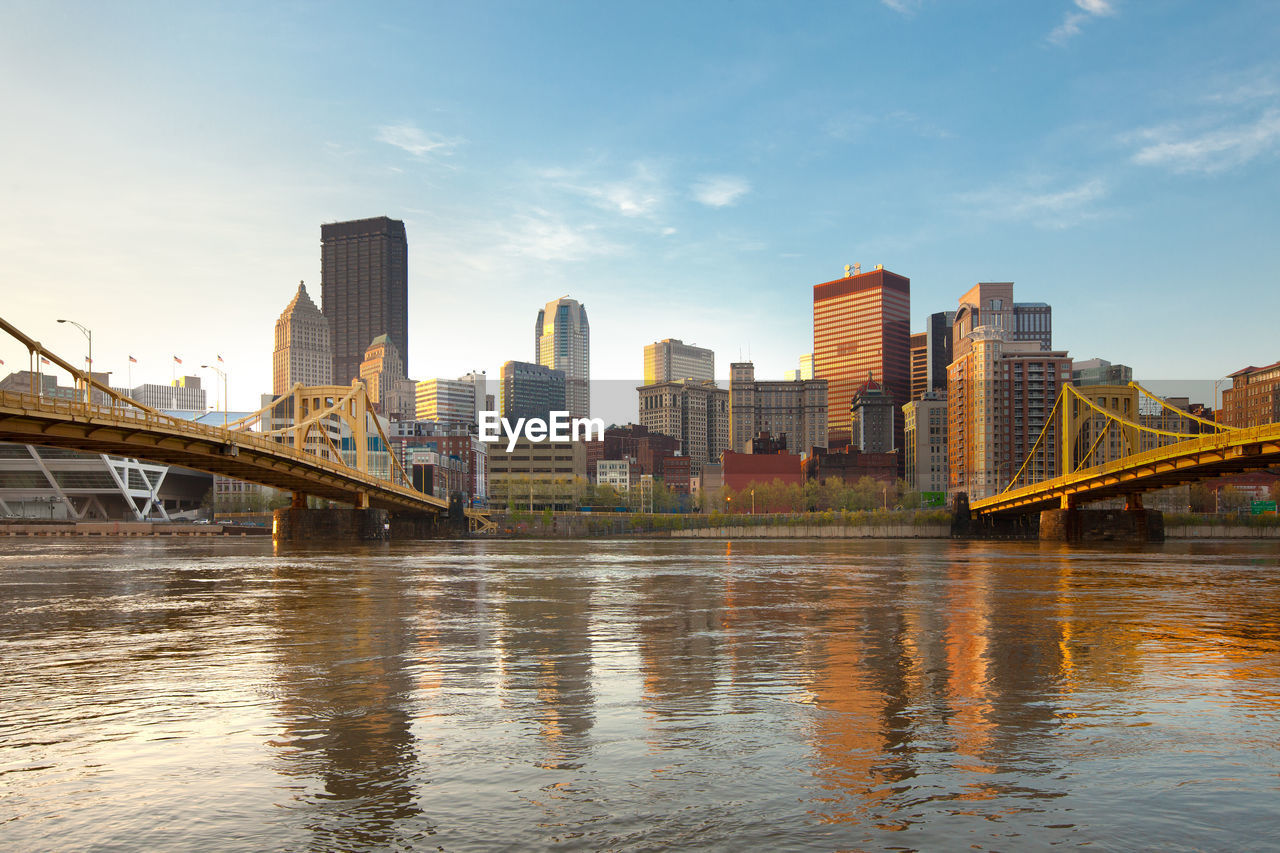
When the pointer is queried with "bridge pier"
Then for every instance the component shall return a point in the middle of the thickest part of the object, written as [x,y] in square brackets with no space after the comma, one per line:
[1102,525]
[299,524]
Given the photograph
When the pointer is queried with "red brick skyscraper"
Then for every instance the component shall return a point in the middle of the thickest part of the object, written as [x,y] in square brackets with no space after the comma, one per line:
[861,327]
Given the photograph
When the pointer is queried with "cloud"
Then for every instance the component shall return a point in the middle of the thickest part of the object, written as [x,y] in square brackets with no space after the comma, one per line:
[1073,21]
[639,195]
[720,190]
[416,141]
[544,236]
[1031,201]
[903,7]
[1208,151]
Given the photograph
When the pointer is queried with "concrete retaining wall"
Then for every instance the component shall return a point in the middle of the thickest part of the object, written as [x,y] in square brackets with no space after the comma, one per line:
[819,531]
[1219,531]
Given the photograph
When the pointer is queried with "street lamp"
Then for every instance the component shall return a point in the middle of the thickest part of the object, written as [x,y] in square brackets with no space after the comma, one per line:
[88,385]
[753,501]
[224,390]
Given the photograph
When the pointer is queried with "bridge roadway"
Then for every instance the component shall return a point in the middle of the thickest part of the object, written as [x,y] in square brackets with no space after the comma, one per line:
[124,431]
[1199,458]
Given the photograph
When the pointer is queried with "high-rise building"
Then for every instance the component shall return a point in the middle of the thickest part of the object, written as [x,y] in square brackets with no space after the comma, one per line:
[671,359]
[938,349]
[804,371]
[531,391]
[1253,398]
[990,303]
[303,353]
[1000,396]
[184,394]
[861,327]
[382,372]
[925,434]
[451,401]
[795,409]
[919,365]
[1099,371]
[872,417]
[696,413]
[562,340]
[364,289]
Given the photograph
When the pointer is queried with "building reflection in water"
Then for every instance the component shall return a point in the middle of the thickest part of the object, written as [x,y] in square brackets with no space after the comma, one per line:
[345,690]
[545,654]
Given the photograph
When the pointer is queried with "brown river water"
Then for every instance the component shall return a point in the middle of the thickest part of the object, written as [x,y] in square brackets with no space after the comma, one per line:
[638,695]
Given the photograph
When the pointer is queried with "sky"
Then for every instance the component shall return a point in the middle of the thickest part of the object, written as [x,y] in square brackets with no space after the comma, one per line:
[685,170]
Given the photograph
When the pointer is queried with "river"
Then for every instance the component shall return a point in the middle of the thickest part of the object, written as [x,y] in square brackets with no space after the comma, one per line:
[638,695]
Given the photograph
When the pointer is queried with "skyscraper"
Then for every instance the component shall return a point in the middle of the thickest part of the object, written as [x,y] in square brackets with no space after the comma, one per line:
[673,359]
[364,289]
[796,409]
[530,391]
[382,372]
[696,413]
[861,329]
[303,352]
[562,340]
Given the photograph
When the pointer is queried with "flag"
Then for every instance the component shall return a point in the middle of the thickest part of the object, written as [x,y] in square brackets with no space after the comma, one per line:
[132,360]
[1,361]
[44,360]
[88,361]
[178,360]
[220,359]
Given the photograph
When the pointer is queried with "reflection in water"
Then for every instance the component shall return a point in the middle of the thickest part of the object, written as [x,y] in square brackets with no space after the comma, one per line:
[342,646]
[805,695]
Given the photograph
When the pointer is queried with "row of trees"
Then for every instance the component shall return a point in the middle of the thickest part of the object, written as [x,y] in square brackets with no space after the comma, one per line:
[813,496]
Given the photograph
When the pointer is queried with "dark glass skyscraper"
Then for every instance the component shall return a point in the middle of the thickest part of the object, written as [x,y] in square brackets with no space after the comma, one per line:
[364,289]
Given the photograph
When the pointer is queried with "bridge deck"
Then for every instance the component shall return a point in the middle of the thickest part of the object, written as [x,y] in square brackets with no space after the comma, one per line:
[1186,461]
[123,431]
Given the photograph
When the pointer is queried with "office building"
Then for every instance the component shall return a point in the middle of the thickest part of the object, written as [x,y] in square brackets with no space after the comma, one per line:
[925,449]
[804,371]
[303,352]
[562,341]
[861,327]
[795,409]
[531,391]
[695,413]
[536,475]
[382,371]
[919,365]
[184,395]
[1253,398]
[1098,371]
[671,359]
[364,289]
[450,401]
[872,418]
[615,473]
[938,350]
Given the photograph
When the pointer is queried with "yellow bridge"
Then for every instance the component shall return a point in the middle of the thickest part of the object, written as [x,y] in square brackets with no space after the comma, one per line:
[1106,449]
[301,457]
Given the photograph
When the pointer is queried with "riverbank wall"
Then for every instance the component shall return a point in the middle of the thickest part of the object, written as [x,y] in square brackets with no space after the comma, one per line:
[127,528]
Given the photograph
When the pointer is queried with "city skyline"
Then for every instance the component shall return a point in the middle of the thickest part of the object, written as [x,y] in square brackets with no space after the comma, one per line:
[1086,144]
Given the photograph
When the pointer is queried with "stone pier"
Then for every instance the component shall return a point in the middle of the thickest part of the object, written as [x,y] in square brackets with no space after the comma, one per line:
[298,524]
[1102,525]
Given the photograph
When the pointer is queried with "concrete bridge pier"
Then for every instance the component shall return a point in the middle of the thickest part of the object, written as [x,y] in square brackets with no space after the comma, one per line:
[1134,523]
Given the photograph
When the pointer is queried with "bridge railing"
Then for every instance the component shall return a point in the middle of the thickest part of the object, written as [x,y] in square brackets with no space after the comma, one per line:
[123,414]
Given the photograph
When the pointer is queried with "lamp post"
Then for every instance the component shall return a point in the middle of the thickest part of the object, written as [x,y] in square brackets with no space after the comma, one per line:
[223,374]
[753,501]
[88,385]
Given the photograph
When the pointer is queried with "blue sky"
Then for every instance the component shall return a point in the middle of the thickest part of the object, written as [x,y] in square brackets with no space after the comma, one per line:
[686,170]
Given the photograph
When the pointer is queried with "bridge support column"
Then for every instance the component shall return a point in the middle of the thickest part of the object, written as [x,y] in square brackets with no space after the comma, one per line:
[1102,525]
[330,525]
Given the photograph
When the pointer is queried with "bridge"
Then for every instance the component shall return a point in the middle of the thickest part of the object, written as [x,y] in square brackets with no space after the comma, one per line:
[303,456]
[1107,449]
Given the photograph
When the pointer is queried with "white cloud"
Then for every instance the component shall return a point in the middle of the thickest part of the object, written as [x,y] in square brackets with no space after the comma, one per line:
[720,190]
[416,141]
[1031,201]
[544,236]
[640,194]
[1208,151]
[903,7]
[1073,21]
